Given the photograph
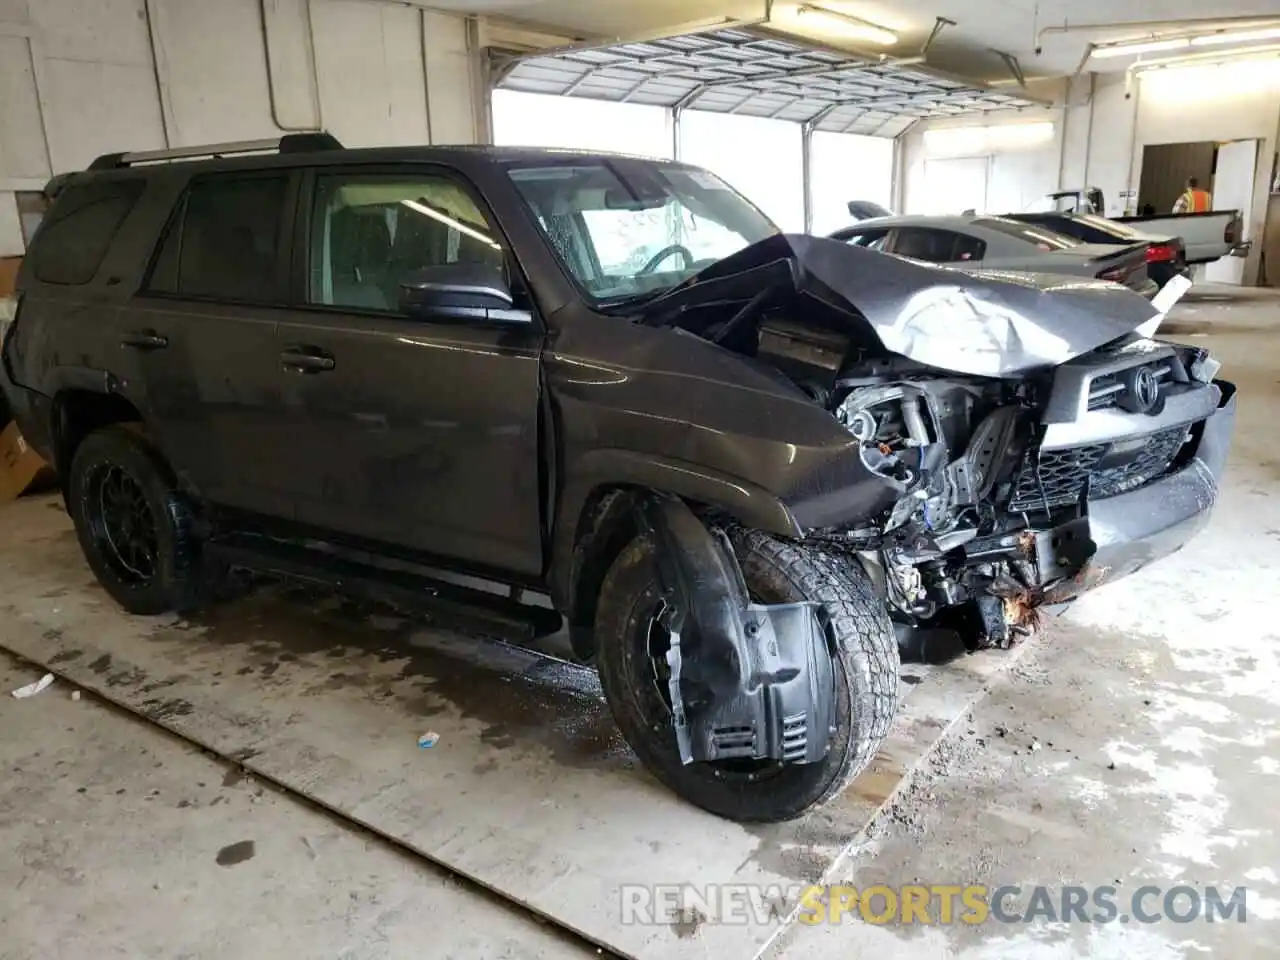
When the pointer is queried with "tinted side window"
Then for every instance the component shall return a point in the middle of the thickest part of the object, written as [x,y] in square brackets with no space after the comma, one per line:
[872,239]
[937,246]
[933,246]
[968,248]
[369,232]
[75,236]
[224,240]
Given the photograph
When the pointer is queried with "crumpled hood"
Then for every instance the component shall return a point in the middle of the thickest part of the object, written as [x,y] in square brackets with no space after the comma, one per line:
[973,321]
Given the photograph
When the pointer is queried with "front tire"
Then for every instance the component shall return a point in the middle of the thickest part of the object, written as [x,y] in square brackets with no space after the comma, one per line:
[133,525]
[865,655]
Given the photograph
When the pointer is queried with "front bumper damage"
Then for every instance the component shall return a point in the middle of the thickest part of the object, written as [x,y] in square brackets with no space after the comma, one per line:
[1121,534]
[747,681]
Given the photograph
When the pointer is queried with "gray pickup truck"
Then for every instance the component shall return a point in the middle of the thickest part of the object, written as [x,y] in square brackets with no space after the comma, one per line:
[1205,236]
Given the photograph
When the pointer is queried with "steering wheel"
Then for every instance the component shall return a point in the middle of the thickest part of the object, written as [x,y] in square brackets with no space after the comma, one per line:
[662,254]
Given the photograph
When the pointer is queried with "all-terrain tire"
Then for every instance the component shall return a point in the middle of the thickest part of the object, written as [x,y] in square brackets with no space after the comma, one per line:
[176,582]
[864,651]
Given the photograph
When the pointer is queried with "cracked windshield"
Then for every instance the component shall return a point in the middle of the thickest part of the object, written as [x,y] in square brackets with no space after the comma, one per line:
[627,228]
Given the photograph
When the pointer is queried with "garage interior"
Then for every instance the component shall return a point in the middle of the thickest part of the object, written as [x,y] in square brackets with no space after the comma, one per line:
[249,782]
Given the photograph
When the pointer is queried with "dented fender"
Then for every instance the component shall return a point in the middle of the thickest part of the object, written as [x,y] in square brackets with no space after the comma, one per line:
[747,681]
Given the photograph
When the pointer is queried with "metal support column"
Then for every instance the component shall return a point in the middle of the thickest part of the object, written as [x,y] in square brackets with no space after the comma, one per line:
[806,172]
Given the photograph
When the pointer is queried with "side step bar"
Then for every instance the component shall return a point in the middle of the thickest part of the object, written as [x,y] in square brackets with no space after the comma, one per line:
[464,607]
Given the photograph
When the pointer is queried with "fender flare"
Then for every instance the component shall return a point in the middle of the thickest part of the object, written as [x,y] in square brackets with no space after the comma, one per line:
[601,470]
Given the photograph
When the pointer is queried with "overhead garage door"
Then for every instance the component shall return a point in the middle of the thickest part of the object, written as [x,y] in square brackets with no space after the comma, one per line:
[753,79]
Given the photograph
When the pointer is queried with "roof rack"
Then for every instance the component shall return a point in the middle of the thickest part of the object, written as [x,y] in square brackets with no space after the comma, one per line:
[289,143]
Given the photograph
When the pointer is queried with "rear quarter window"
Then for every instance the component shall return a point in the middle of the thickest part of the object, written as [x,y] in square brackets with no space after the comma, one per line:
[74,237]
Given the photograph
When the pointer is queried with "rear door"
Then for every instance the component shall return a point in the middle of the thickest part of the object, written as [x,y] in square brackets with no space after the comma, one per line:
[201,332]
[420,434]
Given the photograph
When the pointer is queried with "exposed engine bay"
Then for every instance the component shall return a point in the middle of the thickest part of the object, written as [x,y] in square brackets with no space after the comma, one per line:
[992,518]
[996,413]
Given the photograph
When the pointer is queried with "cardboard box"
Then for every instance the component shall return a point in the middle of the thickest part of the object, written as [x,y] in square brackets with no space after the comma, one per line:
[22,470]
[8,274]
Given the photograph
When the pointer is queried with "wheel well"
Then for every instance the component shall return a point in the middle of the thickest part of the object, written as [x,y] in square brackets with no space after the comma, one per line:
[606,525]
[78,413]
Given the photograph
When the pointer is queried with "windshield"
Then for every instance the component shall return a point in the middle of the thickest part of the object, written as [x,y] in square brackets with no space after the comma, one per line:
[1042,237]
[626,227]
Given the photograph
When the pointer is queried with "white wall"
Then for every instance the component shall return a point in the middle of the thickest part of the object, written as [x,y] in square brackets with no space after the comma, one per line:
[79,78]
[1106,132]
[1012,177]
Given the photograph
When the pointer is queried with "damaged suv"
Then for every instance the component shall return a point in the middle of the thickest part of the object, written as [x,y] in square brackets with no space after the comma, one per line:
[742,464]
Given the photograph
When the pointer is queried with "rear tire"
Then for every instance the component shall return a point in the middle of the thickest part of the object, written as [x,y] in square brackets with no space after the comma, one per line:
[865,654]
[133,525]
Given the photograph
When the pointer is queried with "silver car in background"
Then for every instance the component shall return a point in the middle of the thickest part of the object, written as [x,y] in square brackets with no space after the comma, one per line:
[980,243]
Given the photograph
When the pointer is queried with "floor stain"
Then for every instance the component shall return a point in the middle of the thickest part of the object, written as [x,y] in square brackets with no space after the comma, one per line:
[800,850]
[687,923]
[66,656]
[520,697]
[167,709]
[101,665]
[235,853]
[233,776]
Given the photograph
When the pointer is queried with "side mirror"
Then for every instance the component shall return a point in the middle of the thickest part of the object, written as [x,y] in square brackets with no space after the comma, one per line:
[466,292]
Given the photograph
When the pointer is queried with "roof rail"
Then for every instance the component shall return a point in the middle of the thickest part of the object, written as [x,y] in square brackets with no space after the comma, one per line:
[288,143]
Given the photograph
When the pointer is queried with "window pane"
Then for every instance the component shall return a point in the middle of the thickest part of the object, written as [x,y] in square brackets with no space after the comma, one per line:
[871,239]
[627,228]
[935,246]
[32,206]
[227,243]
[368,234]
[1043,237]
[164,274]
[969,248]
[74,238]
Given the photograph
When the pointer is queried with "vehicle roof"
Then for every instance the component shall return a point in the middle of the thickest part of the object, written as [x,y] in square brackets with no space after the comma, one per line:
[1095,221]
[459,155]
[942,222]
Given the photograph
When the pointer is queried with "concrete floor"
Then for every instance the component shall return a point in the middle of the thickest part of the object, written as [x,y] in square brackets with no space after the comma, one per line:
[119,840]
[1135,743]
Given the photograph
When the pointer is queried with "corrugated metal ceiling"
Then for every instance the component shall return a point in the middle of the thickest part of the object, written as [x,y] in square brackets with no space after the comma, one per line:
[759,75]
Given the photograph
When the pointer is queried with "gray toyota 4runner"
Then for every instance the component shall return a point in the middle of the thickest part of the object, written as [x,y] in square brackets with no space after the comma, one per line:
[743,465]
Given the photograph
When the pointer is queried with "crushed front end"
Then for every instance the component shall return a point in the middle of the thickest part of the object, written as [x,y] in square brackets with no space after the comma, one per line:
[1017,439]
[1062,482]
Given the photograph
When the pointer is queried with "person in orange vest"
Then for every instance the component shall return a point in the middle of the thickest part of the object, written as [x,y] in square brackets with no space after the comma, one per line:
[1193,199]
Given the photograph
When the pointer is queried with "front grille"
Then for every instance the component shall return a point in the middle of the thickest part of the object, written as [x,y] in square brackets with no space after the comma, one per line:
[1109,389]
[1060,477]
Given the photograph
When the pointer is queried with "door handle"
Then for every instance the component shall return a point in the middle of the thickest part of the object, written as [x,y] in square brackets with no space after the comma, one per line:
[144,340]
[306,360]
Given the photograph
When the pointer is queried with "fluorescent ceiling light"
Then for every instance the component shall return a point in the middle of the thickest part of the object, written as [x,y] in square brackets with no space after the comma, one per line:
[448,221]
[848,25]
[1239,36]
[1141,46]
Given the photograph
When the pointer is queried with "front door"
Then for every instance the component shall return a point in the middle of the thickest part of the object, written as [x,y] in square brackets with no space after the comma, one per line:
[420,434]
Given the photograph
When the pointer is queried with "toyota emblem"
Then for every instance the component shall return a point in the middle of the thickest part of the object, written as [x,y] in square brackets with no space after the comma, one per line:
[1142,392]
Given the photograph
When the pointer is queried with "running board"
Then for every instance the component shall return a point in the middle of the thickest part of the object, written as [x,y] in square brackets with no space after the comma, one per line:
[466,608]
